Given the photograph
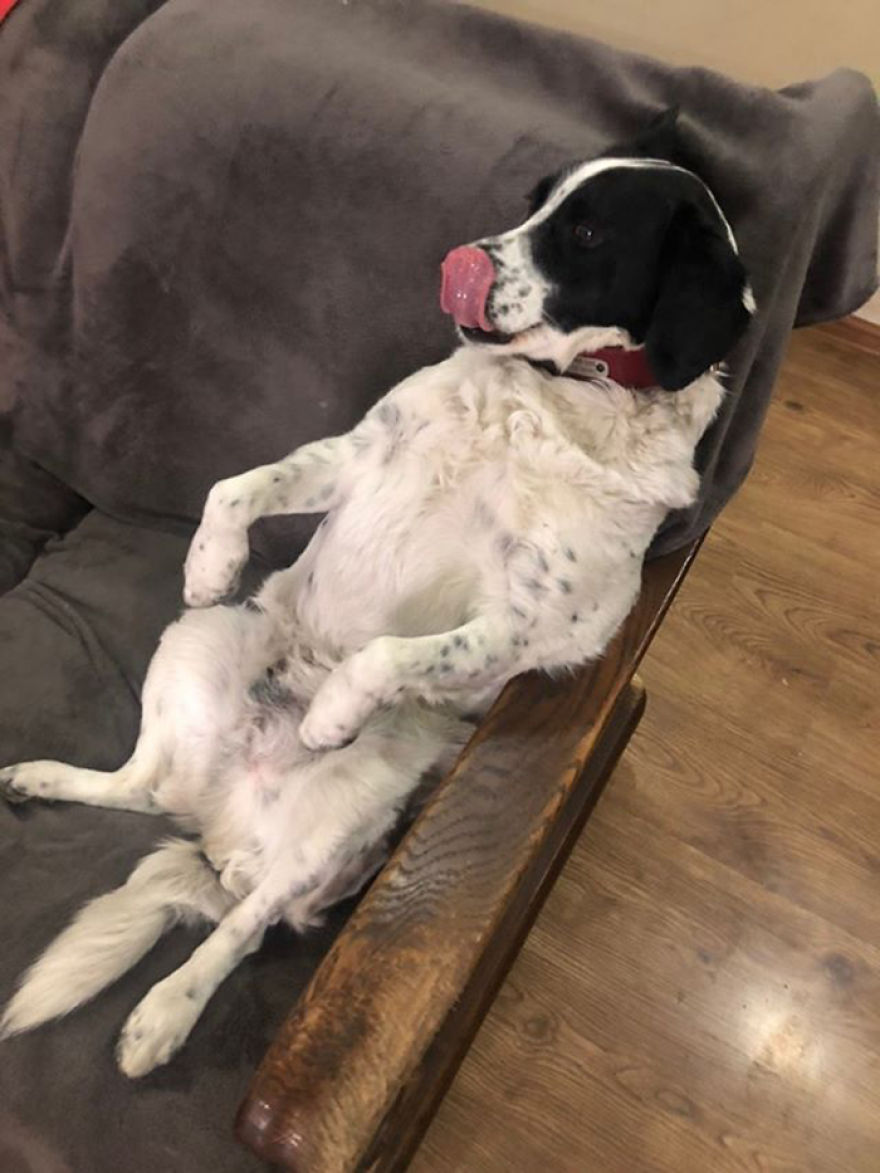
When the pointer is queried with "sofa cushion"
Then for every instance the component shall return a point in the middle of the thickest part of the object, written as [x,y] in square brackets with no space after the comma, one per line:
[75,639]
[34,506]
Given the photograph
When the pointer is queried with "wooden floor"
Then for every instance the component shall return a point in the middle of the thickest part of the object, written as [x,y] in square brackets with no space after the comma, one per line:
[702,990]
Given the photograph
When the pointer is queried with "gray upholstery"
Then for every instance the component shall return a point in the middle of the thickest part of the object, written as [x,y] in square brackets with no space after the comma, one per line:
[221,225]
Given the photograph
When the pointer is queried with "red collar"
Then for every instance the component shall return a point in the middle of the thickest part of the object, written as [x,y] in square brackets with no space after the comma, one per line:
[628,368]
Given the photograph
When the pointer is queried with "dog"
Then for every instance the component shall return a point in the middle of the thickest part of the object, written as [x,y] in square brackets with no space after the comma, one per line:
[489,515]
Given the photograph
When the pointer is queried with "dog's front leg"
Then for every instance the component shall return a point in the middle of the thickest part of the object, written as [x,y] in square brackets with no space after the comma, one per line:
[473,656]
[307,481]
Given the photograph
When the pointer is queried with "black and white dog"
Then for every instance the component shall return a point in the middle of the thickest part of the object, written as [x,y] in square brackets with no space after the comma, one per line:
[489,515]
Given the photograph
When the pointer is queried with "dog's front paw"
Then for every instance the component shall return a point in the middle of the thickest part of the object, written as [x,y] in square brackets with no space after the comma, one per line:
[336,715]
[319,731]
[349,696]
[213,565]
[156,1029]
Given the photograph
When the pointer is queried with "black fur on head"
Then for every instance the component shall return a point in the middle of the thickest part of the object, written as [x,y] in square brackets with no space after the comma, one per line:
[641,247]
[659,140]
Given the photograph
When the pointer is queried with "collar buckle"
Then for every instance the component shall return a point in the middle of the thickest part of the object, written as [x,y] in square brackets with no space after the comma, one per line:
[587,367]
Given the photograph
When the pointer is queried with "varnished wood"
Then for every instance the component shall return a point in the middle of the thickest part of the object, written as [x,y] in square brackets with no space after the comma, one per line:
[358,1068]
[701,992]
[853,333]
[404,1124]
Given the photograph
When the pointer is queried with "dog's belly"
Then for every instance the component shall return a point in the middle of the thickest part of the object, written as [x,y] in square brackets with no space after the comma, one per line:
[392,566]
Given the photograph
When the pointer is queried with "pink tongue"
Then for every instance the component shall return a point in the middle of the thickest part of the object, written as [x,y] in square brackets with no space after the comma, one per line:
[467,277]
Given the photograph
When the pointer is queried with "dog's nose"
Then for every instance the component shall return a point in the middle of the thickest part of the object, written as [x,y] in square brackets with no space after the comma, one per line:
[467,276]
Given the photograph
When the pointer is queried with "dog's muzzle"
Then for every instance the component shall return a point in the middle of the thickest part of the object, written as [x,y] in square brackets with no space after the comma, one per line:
[467,277]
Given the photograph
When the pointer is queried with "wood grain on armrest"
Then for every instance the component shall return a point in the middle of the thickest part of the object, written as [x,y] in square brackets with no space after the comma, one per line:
[359,1066]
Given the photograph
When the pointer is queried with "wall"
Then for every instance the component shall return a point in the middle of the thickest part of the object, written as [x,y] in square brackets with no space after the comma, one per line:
[771,42]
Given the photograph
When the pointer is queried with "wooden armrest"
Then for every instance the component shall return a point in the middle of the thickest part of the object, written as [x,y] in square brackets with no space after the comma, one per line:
[358,1068]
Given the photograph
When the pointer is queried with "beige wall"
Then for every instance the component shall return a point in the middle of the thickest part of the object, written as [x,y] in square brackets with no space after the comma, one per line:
[771,42]
[871,311]
[767,41]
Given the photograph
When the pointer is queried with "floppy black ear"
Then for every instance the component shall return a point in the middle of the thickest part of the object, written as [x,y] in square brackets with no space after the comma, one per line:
[700,310]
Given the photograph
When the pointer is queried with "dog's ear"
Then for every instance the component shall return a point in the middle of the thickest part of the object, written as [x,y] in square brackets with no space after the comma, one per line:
[539,193]
[659,140]
[703,303]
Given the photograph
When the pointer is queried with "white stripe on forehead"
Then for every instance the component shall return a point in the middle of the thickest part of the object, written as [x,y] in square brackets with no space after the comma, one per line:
[585,171]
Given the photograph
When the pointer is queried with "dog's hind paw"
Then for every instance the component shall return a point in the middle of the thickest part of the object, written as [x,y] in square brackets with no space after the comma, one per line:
[12,785]
[156,1029]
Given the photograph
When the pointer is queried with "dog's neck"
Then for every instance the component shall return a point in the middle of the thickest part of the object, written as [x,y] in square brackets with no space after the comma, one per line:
[627,368]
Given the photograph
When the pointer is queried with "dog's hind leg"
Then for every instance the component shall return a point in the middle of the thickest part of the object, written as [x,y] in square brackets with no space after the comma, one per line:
[189,698]
[326,843]
[129,788]
[122,789]
[160,1024]
[112,932]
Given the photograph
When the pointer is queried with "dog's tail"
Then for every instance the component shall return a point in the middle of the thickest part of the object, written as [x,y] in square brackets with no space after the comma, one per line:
[112,932]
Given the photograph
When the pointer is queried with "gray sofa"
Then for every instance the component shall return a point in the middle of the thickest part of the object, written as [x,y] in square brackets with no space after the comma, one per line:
[220,230]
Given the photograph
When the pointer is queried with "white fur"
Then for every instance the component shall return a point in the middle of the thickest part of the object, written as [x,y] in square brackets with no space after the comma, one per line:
[111,933]
[483,519]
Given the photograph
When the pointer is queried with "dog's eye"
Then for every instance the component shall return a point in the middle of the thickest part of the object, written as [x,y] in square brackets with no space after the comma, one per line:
[588,235]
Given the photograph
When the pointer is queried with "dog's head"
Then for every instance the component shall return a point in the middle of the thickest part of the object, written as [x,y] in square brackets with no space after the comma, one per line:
[630,248]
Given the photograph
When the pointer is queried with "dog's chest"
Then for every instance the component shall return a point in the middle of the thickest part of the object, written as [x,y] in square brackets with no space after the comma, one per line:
[468,459]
